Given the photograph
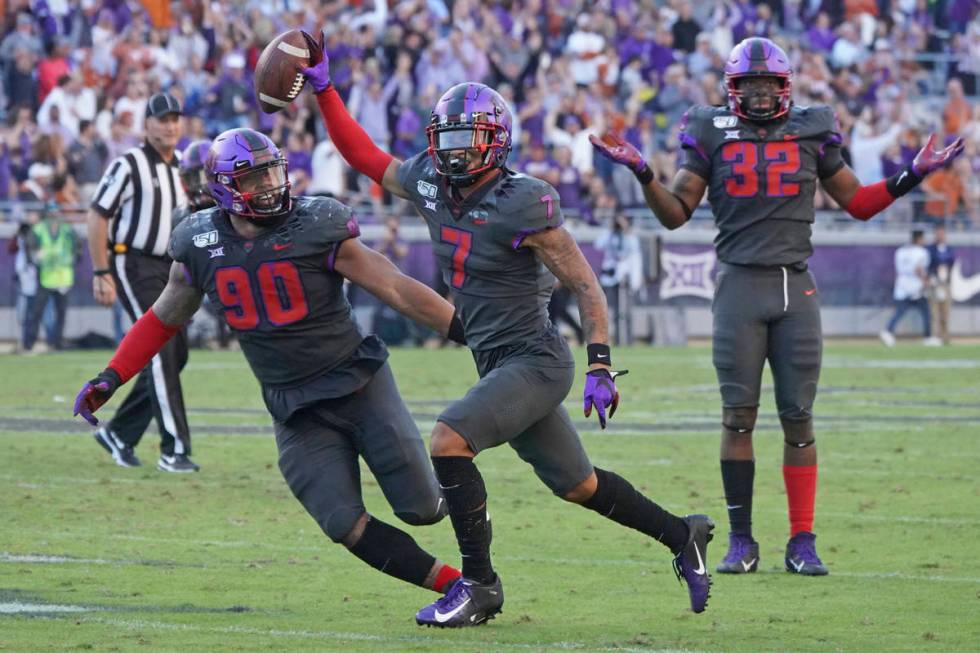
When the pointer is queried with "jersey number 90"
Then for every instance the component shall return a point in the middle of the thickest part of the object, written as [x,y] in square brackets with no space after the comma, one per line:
[281,295]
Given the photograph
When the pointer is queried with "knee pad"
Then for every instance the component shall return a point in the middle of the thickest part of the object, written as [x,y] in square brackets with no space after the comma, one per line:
[798,433]
[738,421]
[339,521]
[423,519]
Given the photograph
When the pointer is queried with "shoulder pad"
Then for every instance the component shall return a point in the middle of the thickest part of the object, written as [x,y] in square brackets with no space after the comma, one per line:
[814,121]
[701,126]
[324,219]
[196,230]
[417,175]
[527,205]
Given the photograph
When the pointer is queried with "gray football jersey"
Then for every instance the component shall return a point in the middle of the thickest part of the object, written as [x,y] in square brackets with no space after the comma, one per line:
[500,288]
[762,178]
[278,291]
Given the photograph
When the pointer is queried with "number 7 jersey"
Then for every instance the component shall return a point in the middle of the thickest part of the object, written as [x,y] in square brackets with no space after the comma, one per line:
[500,288]
[762,178]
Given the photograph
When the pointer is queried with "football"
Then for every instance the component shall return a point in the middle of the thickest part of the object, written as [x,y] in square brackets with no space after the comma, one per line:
[278,76]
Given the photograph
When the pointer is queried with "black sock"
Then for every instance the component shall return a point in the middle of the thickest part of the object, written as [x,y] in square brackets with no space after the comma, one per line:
[466,501]
[619,501]
[393,552]
[737,477]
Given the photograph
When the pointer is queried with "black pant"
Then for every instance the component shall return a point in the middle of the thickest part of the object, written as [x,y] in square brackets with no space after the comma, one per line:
[156,392]
[36,313]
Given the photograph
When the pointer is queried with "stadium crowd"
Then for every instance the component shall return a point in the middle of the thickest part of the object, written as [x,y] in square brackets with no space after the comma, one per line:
[77,74]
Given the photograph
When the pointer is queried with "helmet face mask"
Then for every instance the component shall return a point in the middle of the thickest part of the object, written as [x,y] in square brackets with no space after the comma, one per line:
[758,59]
[469,133]
[247,176]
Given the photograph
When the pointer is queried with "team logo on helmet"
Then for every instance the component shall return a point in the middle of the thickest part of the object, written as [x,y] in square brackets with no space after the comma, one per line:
[758,57]
[469,132]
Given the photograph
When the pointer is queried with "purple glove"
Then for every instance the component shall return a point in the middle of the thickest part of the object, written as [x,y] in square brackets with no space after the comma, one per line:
[601,392]
[928,160]
[613,147]
[318,74]
[95,393]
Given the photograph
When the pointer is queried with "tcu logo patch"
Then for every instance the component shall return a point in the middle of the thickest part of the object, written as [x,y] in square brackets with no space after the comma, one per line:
[427,190]
[724,122]
[205,239]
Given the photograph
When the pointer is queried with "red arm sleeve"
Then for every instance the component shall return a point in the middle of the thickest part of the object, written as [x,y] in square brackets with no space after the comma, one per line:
[351,140]
[142,342]
[869,200]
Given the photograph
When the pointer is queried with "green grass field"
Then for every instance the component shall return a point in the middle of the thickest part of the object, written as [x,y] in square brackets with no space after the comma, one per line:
[97,557]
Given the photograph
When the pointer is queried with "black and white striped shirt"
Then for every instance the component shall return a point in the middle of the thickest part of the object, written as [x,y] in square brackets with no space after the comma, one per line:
[139,192]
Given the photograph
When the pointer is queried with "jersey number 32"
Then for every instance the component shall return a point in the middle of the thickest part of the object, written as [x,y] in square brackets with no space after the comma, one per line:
[781,157]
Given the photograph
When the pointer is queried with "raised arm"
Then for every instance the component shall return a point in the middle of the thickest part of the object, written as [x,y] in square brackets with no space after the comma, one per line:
[672,207]
[351,140]
[379,276]
[864,202]
[171,311]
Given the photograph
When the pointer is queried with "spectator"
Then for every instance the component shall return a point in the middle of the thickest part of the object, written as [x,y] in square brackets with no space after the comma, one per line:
[55,250]
[20,81]
[685,29]
[22,38]
[958,111]
[585,45]
[867,147]
[87,159]
[621,274]
[25,270]
[53,67]
[941,259]
[848,49]
[74,102]
[911,265]
[945,189]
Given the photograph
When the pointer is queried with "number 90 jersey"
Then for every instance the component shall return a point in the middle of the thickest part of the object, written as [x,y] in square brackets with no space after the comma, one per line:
[762,178]
[279,290]
[499,287]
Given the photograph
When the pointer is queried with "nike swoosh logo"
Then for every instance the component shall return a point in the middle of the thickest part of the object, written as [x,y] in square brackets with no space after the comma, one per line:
[734,507]
[748,565]
[601,356]
[278,247]
[444,617]
[962,288]
[700,570]
[809,292]
[904,174]
[798,567]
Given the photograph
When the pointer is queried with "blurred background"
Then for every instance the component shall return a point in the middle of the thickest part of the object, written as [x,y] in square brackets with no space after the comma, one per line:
[77,74]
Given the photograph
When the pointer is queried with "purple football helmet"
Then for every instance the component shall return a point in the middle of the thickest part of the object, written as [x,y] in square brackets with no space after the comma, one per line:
[758,57]
[193,175]
[470,122]
[247,175]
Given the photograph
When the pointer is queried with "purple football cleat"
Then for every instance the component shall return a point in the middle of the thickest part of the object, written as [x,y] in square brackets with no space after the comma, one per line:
[743,555]
[801,556]
[467,603]
[690,564]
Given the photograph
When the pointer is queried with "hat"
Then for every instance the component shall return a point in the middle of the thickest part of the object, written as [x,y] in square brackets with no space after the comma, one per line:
[161,104]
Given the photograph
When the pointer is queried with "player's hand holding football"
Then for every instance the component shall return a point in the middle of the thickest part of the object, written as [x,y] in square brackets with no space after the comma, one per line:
[95,393]
[318,74]
[616,149]
[601,392]
[929,160]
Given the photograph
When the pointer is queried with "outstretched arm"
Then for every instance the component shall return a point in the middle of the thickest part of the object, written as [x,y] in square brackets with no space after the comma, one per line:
[173,309]
[864,202]
[672,207]
[351,140]
[379,276]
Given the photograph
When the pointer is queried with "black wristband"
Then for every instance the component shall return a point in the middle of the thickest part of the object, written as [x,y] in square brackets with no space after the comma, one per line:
[902,181]
[599,353]
[644,175]
[100,272]
[456,333]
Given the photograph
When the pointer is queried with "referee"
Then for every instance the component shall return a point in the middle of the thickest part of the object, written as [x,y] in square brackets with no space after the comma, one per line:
[129,226]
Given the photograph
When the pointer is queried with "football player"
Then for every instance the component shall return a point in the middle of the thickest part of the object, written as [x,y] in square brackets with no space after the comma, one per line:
[194,178]
[275,266]
[760,158]
[499,241]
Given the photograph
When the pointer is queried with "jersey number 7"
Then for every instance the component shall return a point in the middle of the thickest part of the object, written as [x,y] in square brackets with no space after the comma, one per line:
[782,157]
[463,241]
[281,295]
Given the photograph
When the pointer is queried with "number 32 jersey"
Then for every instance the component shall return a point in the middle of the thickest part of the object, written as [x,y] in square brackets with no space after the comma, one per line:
[762,178]
[278,291]
[500,288]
